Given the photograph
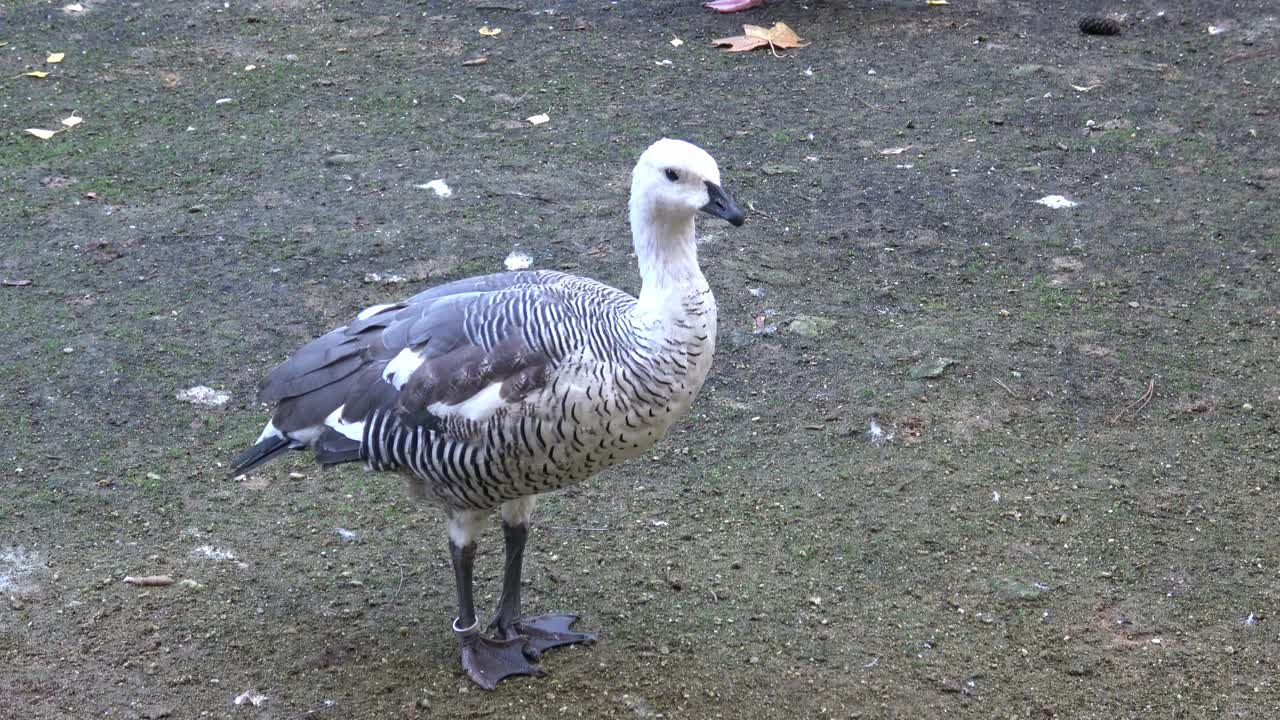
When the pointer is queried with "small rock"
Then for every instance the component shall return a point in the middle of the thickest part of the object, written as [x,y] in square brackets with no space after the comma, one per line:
[1011,589]
[930,368]
[755,660]
[1134,304]
[203,395]
[1066,264]
[778,169]
[810,325]
[340,159]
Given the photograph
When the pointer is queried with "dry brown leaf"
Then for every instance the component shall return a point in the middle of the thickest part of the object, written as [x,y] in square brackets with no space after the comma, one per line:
[42,134]
[55,58]
[36,74]
[780,34]
[740,43]
[754,36]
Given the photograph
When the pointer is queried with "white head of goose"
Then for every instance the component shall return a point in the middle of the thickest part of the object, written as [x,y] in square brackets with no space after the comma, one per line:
[486,392]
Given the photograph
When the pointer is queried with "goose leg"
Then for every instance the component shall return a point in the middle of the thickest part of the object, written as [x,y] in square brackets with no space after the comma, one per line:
[541,632]
[485,660]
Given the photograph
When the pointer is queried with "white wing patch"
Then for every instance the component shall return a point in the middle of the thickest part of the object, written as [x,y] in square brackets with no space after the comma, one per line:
[402,367]
[353,430]
[269,431]
[477,408]
[297,438]
[372,310]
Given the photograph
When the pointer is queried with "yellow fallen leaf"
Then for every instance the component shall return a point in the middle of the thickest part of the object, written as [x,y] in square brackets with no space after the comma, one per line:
[55,57]
[489,32]
[754,36]
[936,2]
[72,121]
[36,74]
[780,34]
[740,43]
[42,134]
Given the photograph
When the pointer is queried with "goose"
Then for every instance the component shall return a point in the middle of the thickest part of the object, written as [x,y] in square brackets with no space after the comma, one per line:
[490,391]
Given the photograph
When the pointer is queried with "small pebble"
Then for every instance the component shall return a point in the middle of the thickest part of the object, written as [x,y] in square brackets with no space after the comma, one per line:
[1133,304]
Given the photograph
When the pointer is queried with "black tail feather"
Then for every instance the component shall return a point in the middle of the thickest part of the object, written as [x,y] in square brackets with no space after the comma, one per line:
[333,448]
[260,453]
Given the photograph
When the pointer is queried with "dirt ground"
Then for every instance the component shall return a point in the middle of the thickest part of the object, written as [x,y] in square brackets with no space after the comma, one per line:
[1025,537]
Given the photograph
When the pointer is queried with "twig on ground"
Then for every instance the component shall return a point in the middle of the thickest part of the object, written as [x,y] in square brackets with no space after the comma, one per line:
[1006,387]
[400,567]
[1252,55]
[577,528]
[864,102]
[1140,402]
[517,193]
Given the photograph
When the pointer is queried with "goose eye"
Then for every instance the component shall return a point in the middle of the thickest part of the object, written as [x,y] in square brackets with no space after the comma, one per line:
[672,175]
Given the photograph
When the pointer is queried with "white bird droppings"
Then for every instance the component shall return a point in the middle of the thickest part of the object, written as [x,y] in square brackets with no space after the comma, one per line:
[517,261]
[438,186]
[877,434]
[203,395]
[249,696]
[216,554]
[1057,202]
[17,567]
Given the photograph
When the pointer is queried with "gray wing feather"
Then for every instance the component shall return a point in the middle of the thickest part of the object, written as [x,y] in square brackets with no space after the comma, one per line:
[344,366]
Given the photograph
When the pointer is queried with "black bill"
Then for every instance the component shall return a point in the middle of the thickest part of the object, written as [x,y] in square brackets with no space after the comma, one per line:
[722,206]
